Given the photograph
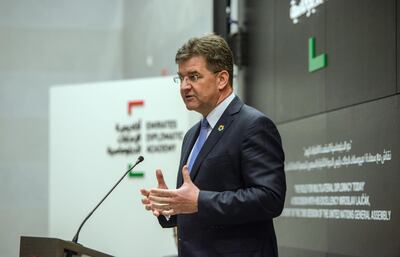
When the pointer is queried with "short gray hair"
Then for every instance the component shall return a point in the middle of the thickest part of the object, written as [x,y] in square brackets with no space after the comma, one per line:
[213,48]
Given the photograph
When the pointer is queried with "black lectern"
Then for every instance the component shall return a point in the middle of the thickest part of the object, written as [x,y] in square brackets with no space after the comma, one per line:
[53,247]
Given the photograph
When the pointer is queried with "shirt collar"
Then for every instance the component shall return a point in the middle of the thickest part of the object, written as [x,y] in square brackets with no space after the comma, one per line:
[217,112]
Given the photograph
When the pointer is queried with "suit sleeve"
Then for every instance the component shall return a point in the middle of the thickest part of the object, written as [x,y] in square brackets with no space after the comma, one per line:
[262,170]
[171,222]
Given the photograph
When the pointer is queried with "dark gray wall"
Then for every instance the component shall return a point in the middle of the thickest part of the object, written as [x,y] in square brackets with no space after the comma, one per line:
[354,99]
[359,38]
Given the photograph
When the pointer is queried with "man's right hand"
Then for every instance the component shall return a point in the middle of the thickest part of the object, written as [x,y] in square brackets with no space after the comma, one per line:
[146,193]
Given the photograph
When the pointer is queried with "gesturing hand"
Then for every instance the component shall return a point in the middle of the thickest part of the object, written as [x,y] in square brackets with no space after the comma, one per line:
[146,193]
[176,201]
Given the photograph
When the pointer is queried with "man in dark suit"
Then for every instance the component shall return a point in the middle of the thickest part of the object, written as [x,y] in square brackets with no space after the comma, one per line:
[231,181]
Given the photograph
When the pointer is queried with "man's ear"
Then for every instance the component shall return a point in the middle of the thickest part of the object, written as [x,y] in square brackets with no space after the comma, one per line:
[223,79]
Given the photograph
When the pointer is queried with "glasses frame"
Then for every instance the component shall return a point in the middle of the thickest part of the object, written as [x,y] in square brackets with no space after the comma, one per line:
[193,78]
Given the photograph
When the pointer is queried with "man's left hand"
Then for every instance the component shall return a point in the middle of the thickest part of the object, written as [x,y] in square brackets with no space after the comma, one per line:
[177,201]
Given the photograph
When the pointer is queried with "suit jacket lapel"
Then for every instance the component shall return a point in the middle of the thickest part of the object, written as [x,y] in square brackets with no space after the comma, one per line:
[222,125]
[186,149]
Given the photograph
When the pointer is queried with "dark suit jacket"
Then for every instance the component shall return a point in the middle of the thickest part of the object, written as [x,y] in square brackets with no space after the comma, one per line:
[240,174]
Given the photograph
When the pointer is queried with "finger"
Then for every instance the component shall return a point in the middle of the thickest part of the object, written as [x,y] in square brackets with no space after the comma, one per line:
[144,192]
[160,206]
[156,213]
[185,175]
[168,212]
[148,207]
[160,179]
[162,192]
[145,201]
[157,199]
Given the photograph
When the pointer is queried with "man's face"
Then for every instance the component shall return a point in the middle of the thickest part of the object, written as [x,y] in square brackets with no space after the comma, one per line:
[203,94]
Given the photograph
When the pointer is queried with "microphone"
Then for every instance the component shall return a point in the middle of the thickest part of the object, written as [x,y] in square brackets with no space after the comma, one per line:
[75,239]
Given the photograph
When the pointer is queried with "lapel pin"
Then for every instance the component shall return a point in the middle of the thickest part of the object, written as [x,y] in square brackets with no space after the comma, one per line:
[221,127]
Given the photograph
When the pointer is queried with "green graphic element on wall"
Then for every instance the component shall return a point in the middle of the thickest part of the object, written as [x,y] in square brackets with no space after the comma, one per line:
[135,174]
[315,62]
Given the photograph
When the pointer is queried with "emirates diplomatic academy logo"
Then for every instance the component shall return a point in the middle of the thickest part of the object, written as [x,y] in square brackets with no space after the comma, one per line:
[136,136]
[132,104]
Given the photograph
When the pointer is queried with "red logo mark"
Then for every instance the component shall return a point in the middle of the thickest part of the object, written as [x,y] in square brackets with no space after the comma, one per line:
[131,104]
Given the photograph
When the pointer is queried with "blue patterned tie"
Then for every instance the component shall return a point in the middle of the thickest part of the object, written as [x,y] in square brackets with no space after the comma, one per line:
[201,139]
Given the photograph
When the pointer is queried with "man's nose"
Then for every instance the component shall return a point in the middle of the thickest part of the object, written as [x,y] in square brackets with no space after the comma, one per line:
[185,83]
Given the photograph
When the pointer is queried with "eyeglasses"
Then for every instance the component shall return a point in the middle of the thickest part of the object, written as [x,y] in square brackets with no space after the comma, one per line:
[193,78]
